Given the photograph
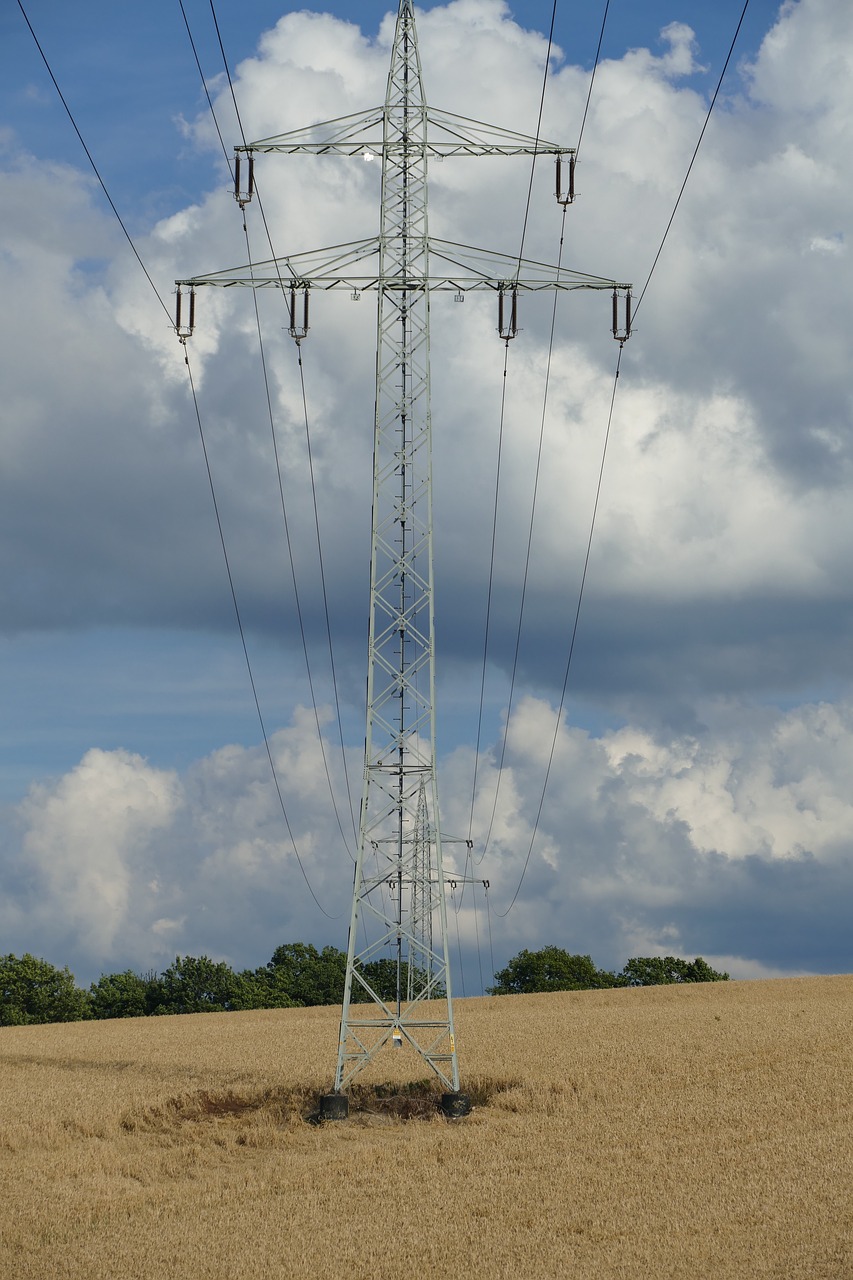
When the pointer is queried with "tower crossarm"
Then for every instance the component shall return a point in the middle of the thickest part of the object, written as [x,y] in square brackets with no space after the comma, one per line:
[462,268]
[446,134]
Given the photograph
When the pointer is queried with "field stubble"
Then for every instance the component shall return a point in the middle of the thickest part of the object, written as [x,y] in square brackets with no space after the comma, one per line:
[702,1131]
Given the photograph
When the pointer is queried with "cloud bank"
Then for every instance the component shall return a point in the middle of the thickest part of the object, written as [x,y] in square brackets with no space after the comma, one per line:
[696,800]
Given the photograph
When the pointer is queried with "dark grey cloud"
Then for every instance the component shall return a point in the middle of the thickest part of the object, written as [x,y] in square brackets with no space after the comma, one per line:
[718,580]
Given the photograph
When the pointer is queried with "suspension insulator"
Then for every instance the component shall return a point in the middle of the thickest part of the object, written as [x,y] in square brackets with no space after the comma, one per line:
[298,328]
[243,197]
[184,330]
[566,197]
[622,334]
[507,315]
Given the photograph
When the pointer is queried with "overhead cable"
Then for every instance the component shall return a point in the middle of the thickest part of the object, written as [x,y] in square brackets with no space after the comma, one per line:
[536,143]
[559,715]
[288,541]
[300,617]
[487,626]
[592,80]
[92,163]
[204,451]
[500,437]
[692,158]
[273,769]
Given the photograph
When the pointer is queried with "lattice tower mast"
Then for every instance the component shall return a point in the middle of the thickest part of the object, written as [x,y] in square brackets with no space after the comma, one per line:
[420,959]
[400,798]
[398,903]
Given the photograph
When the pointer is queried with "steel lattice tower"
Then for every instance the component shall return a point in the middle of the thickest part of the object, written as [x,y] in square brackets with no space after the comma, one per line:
[398,904]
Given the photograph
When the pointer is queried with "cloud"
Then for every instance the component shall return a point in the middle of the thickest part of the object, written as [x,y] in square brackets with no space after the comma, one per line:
[728,844]
[734,842]
[86,848]
[684,812]
[728,470]
[120,863]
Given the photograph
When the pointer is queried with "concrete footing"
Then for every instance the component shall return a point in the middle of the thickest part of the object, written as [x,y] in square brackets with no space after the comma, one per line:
[455,1105]
[334,1106]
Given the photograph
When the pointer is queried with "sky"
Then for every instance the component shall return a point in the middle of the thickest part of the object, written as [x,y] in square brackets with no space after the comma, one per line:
[697,799]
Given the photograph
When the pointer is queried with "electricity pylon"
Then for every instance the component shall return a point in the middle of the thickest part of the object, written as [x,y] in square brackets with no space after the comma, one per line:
[399,889]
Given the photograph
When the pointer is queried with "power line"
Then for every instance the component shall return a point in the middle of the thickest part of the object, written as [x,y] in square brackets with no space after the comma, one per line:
[333,668]
[601,471]
[204,86]
[325,599]
[592,80]
[95,169]
[559,715]
[487,627]
[206,460]
[529,549]
[500,437]
[245,647]
[537,135]
[299,613]
[288,541]
[489,593]
[692,158]
[227,70]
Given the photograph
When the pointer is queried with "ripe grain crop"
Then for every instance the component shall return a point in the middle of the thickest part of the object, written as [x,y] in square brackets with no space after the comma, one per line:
[684,1132]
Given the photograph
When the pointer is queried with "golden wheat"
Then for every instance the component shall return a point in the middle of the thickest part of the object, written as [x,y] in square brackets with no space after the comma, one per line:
[702,1131]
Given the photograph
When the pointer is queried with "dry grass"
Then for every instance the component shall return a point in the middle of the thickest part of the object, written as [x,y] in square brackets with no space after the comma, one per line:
[668,1132]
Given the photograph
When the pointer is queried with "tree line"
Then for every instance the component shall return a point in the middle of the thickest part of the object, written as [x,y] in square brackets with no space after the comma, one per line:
[297,975]
[553,969]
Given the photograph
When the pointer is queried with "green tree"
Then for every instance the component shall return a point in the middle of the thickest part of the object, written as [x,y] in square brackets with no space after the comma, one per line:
[551,969]
[260,990]
[299,973]
[197,984]
[125,995]
[302,974]
[701,971]
[653,971]
[32,990]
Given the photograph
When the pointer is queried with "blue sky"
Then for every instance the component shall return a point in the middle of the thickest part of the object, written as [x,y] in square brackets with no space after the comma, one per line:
[129,73]
[699,797]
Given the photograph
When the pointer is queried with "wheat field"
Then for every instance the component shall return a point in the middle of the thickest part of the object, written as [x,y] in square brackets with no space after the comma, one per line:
[695,1131]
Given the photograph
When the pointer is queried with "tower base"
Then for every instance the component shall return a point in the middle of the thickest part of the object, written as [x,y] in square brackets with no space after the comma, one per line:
[334,1106]
[455,1105]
